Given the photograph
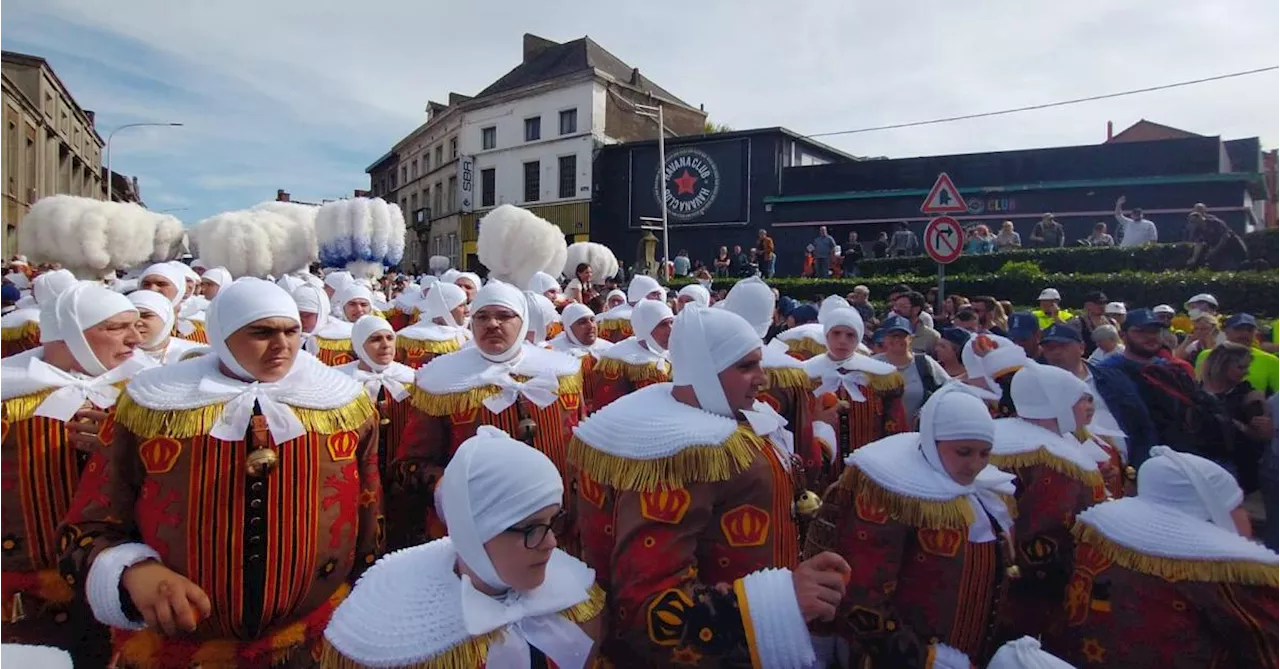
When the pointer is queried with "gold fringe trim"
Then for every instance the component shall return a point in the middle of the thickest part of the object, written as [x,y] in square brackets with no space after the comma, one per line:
[24,331]
[473,652]
[788,377]
[436,347]
[186,423]
[805,345]
[1242,572]
[1041,457]
[333,344]
[886,382]
[954,514]
[22,408]
[443,405]
[693,464]
[633,372]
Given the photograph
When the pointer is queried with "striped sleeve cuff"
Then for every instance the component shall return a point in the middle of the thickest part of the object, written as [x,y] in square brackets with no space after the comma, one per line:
[775,629]
[103,586]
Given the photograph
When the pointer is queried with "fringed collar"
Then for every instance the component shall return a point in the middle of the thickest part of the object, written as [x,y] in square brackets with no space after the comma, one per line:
[462,371]
[561,344]
[1164,542]
[19,382]
[810,331]
[176,387]
[419,590]
[822,365]
[1016,437]
[778,359]
[334,329]
[630,351]
[422,331]
[622,312]
[19,318]
[172,353]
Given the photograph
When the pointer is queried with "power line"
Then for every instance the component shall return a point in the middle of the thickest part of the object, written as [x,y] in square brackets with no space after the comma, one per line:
[1047,105]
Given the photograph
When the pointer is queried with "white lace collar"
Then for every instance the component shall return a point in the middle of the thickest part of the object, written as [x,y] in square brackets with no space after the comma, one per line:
[778,359]
[820,366]
[655,426]
[560,343]
[394,378]
[21,378]
[419,590]
[173,351]
[176,387]
[622,312]
[464,370]
[810,331]
[631,352]
[423,331]
[1160,531]
[1015,436]
[19,317]
[334,329]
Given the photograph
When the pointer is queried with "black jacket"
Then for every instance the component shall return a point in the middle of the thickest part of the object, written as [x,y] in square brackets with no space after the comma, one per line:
[1128,403]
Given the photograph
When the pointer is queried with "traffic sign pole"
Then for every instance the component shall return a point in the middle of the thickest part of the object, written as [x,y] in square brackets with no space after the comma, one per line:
[942,288]
[944,236]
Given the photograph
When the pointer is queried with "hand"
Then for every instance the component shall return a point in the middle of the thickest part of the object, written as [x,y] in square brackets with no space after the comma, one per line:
[1261,425]
[828,410]
[84,426]
[1120,201]
[820,583]
[165,598]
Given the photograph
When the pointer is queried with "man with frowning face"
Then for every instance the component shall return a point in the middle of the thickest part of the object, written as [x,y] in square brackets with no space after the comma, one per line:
[227,470]
[59,407]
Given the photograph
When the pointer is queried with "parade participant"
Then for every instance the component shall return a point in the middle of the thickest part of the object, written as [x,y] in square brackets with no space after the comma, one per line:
[20,328]
[387,381]
[155,327]
[497,592]
[313,308]
[924,521]
[545,285]
[501,380]
[614,298]
[637,361]
[615,324]
[685,499]
[787,390]
[870,390]
[990,361]
[332,340]
[189,323]
[239,500]
[1057,478]
[440,330]
[406,307]
[1170,578]
[693,293]
[213,280]
[58,409]
[335,281]
[580,340]
[544,322]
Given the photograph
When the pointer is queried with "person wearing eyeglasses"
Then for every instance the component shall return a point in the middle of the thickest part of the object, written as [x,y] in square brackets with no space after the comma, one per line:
[495,592]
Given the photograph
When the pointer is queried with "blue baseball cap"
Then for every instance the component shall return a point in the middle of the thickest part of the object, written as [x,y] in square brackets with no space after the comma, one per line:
[1241,320]
[10,293]
[895,324]
[1143,318]
[1023,325]
[957,336]
[1061,333]
[786,305]
[805,313]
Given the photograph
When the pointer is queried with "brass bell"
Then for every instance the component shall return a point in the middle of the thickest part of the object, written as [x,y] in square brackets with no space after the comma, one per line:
[385,421]
[528,429]
[19,612]
[261,461]
[1013,572]
[808,504]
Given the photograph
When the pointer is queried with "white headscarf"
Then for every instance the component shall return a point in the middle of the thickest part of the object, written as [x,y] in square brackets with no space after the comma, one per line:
[542,313]
[312,300]
[497,293]
[159,305]
[222,277]
[338,280]
[491,483]
[647,316]
[472,277]
[641,286]
[47,286]
[1025,653]
[187,273]
[171,274]
[573,313]
[846,316]
[698,295]
[543,282]
[440,301]
[705,342]
[289,283]
[392,376]
[352,291]
[1191,484]
[1005,356]
[1043,392]
[612,294]
[750,298]
[954,414]
[245,301]
[81,307]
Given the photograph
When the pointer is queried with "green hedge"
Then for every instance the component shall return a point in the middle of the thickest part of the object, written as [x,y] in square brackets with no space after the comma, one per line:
[1254,291]
[1262,247]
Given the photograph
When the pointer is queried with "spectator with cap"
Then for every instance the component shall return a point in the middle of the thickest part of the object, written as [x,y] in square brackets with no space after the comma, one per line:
[1134,231]
[1198,305]
[1050,310]
[947,351]
[1264,368]
[922,374]
[1106,342]
[1094,316]
[1119,414]
[802,315]
[910,306]
[1024,330]
[781,310]
[1165,313]
[1116,311]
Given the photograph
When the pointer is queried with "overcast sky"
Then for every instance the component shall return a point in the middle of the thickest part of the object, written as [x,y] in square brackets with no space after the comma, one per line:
[304,95]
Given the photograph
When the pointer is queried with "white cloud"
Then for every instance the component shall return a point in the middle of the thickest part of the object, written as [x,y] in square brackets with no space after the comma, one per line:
[304,95]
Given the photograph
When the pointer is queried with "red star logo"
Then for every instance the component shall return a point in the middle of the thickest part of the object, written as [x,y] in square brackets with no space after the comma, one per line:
[685,183]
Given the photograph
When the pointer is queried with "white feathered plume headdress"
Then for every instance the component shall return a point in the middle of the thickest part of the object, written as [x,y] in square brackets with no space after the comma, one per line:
[93,238]
[254,242]
[602,261]
[515,243]
[304,236]
[362,235]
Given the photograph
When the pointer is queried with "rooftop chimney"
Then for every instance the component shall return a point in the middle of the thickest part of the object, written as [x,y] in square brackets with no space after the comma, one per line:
[90,113]
[635,76]
[281,196]
[534,45]
[361,193]
[137,195]
[1110,130]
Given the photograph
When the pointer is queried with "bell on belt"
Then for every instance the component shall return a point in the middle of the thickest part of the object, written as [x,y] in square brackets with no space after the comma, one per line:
[527,430]
[19,612]
[1013,572]
[808,504]
[261,461]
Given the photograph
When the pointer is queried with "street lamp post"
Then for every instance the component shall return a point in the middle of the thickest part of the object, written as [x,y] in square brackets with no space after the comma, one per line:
[655,112]
[113,134]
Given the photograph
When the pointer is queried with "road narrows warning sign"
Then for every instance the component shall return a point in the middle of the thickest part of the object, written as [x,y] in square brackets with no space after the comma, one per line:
[944,239]
[944,198]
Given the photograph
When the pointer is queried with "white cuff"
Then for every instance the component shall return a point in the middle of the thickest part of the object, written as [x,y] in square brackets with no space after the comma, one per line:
[826,436]
[103,586]
[776,630]
[946,657]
